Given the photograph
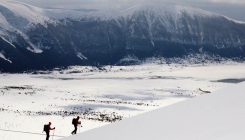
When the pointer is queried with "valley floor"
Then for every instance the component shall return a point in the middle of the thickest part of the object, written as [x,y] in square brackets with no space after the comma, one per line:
[102,95]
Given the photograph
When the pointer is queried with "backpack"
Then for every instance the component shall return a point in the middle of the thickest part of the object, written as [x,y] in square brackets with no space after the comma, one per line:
[46,128]
[74,121]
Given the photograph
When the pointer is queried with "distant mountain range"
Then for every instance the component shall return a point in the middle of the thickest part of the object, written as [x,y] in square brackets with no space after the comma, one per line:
[36,38]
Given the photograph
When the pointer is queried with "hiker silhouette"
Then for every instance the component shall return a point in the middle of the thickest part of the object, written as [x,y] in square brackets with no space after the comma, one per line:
[47,128]
[75,122]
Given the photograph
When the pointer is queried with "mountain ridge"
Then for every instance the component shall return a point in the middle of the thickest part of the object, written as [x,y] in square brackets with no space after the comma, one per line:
[105,38]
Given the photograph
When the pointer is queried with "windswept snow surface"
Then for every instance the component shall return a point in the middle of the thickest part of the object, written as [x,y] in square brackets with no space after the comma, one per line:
[219,116]
[104,95]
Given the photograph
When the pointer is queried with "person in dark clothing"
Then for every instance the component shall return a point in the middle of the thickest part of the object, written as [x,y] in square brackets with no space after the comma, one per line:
[47,129]
[75,123]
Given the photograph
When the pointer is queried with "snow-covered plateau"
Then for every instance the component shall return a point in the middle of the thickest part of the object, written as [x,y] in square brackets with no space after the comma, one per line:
[106,95]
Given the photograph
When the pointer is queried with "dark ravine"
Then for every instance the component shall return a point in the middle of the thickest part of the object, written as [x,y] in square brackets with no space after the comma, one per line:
[143,34]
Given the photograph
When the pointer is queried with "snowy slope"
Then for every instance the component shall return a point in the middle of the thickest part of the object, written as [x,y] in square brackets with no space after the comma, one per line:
[16,18]
[219,116]
[26,13]
[38,15]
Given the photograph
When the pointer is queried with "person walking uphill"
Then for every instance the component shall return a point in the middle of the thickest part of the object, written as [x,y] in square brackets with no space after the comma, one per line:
[47,128]
[75,122]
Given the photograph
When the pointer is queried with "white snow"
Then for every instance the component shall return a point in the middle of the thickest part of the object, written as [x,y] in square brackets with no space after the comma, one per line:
[128,59]
[35,50]
[162,10]
[219,116]
[27,101]
[81,56]
[25,17]
[4,58]
[4,23]
[233,20]
[11,44]
[31,13]
[38,15]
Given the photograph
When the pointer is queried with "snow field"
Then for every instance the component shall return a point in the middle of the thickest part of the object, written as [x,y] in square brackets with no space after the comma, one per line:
[101,96]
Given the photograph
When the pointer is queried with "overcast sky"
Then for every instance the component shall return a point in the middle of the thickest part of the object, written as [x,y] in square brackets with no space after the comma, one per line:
[231,8]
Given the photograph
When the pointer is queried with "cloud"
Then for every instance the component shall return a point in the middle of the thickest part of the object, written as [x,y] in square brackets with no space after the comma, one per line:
[124,2]
[228,1]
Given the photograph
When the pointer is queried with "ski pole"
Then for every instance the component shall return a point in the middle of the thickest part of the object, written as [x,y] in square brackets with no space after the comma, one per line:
[79,128]
[53,135]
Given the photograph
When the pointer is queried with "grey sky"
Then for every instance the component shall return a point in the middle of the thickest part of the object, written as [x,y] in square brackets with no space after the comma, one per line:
[231,8]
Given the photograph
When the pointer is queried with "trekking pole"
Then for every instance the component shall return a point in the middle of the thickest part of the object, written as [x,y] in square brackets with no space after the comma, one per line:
[53,135]
[79,128]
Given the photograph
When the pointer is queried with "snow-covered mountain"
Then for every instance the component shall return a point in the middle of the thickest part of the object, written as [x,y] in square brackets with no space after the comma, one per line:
[37,38]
